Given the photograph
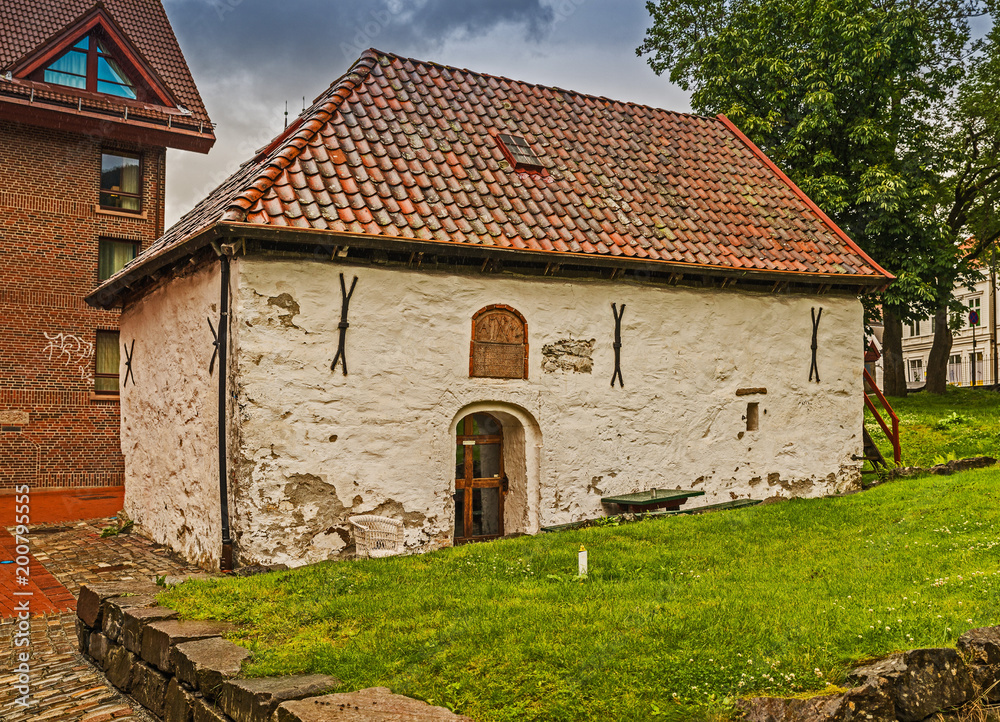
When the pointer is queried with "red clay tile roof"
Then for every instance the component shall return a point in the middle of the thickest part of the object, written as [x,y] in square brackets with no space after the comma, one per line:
[404,149]
[25,26]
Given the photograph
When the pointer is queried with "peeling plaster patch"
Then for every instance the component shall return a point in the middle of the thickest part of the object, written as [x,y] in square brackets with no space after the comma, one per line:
[799,486]
[288,303]
[593,486]
[774,478]
[568,355]
[395,510]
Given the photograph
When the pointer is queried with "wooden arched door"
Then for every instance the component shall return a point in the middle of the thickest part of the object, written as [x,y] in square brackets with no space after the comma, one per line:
[480,483]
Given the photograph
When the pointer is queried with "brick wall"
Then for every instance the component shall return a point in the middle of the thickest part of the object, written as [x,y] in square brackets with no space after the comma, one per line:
[53,431]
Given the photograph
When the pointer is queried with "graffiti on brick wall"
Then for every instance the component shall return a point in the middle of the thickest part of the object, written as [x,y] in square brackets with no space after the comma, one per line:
[71,351]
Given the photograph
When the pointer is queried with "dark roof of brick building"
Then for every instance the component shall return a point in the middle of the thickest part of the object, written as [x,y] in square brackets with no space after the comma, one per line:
[29,27]
[403,149]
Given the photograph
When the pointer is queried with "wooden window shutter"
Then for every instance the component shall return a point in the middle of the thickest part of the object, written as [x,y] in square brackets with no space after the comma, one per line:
[499,344]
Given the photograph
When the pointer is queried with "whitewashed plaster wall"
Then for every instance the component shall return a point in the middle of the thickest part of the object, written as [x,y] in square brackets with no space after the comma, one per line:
[317,446]
[169,426]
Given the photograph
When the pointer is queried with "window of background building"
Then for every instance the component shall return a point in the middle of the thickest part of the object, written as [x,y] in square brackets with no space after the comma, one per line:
[975,305]
[914,328]
[121,181]
[106,361]
[917,370]
[955,369]
[112,255]
[977,359]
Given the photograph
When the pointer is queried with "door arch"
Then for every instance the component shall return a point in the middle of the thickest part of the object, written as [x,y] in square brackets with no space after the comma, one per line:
[480,481]
[521,452]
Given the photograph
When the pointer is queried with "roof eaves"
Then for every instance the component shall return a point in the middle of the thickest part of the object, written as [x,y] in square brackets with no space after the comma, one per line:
[802,196]
[107,294]
[308,235]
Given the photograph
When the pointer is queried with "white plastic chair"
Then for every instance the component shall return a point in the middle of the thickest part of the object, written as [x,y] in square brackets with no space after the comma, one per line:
[377,536]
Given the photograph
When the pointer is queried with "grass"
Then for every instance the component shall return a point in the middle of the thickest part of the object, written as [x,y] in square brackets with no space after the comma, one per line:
[957,425]
[678,617]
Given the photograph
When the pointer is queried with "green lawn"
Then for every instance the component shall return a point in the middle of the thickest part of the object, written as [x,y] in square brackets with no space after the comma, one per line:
[678,617]
[960,424]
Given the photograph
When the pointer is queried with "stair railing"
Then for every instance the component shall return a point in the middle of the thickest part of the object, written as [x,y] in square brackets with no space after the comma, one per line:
[891,431]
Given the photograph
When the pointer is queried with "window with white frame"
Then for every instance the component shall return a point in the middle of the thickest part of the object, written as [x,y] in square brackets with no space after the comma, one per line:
[914,328]
[955,369]
[976,359]
[975,305]
[917,370]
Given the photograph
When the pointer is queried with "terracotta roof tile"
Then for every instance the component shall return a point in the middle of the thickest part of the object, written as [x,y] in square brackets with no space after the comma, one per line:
[618,179]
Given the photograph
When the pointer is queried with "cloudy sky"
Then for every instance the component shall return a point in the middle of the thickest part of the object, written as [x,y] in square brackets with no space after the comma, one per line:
[249,57]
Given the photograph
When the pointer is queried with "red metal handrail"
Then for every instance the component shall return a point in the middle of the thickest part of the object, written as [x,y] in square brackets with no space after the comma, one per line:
[892,433]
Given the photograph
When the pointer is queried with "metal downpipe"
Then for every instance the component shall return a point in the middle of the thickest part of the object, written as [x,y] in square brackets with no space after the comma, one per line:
[226,562]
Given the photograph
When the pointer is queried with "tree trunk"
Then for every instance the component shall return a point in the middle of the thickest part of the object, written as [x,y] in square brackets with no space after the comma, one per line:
[937,363]
[893,370]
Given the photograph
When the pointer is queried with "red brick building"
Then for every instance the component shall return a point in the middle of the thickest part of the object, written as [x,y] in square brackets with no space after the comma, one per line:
[91,96]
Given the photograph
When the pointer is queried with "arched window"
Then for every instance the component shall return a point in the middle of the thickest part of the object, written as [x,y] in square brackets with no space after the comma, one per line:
[499,344]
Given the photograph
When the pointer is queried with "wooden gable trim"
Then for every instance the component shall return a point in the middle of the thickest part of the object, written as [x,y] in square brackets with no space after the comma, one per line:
[66,38]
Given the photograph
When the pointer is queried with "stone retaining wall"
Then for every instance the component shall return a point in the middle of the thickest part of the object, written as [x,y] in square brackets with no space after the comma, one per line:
[184,671]
[905,687]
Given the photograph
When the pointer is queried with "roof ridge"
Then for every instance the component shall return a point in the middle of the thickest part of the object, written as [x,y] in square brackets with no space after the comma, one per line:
[287,145]
[540,85]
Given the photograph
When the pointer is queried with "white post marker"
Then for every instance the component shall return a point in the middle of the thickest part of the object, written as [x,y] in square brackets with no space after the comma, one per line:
[582,561]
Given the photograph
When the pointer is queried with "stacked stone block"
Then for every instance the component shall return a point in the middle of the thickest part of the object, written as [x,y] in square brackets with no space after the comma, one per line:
[909,686]
[184,671]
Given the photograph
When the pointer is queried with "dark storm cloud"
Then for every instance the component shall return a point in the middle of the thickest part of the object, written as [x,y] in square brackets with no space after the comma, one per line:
[266,34]
[251,57]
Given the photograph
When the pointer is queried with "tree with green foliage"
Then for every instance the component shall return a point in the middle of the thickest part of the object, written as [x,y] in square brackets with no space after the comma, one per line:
[856,101]
[965,201]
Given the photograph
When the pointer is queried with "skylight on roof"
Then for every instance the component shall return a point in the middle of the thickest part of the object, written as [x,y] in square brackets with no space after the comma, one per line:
[520,153]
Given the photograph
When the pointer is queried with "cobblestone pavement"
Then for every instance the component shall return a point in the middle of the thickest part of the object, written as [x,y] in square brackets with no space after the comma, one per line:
[64,686]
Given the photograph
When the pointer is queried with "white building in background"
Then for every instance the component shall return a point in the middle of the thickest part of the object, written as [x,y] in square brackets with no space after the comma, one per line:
[973,348]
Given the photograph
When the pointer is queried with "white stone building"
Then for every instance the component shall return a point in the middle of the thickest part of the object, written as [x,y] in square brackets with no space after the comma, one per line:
[973,357]
[479,382]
